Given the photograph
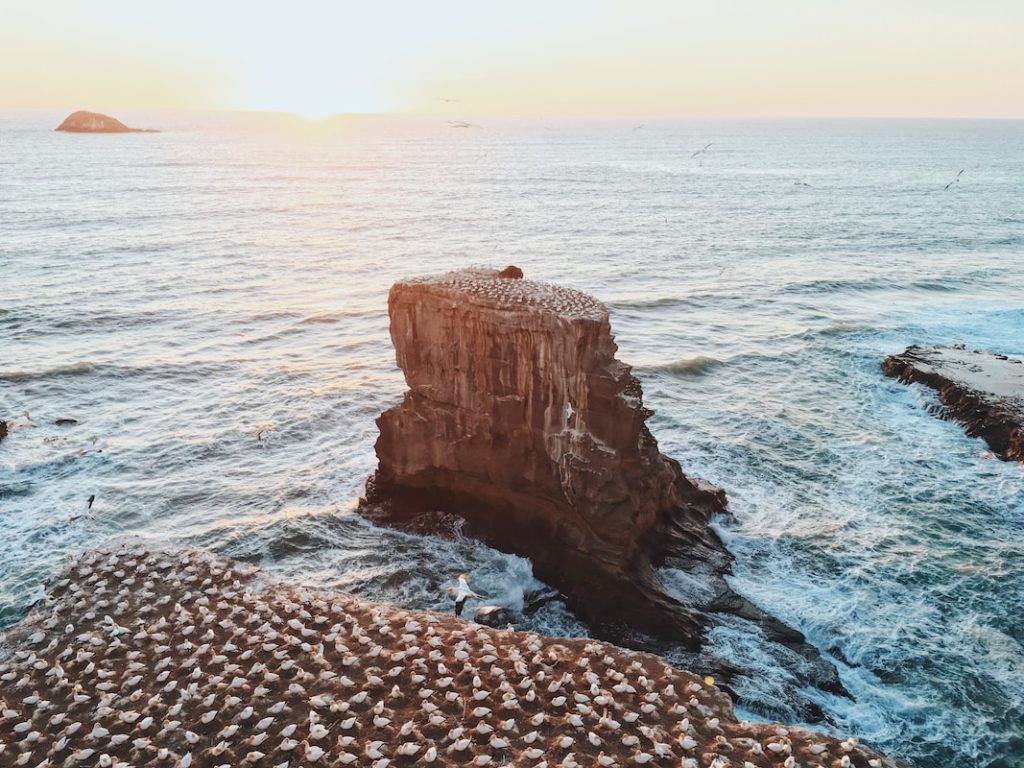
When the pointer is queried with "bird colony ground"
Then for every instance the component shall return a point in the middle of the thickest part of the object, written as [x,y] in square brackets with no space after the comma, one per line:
[152,658]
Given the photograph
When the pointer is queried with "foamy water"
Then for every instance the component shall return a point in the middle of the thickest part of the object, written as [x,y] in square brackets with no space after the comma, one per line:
[179,292]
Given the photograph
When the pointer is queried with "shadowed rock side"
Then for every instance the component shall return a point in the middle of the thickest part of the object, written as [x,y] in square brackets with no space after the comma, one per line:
[141,657]
[3,429]
[94,122]
[984,391]
[520,420]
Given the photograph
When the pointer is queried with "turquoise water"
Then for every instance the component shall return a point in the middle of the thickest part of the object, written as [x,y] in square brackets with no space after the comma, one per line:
[179,292]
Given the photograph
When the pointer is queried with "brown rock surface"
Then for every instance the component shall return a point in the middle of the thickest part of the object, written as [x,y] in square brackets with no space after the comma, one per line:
[94,122]
[982,390]
[520,420]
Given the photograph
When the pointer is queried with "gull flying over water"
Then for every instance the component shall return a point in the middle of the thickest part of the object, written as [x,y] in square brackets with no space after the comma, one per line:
[703,149]
[954,181]
[463,124]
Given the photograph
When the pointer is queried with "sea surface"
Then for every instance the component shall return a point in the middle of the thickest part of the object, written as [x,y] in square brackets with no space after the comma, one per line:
[209,303]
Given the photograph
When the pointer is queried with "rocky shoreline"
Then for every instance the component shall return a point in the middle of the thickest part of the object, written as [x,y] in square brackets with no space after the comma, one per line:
[140,656]
[983,391]
[521,423]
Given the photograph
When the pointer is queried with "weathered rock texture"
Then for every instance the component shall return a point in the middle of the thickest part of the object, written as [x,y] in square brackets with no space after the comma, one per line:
[94,122]
[520,420]
[982,390]
[3,429]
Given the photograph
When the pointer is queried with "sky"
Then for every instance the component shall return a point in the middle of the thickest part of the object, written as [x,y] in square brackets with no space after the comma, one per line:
[637,58]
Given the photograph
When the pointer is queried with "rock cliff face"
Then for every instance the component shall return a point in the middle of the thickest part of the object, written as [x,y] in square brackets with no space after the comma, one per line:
[520,420]
[94,122]
[983,391]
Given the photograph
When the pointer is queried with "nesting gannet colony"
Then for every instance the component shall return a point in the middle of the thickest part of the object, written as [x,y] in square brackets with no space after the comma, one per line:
[486,287]
[142,657]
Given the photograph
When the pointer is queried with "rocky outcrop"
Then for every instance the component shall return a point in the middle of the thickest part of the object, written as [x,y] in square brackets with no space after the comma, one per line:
[94,122]
[984,391]
[520,420]
[3,429]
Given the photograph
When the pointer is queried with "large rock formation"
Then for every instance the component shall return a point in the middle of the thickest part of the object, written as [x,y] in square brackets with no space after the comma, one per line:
[94,122]
[520,420]
[982,390]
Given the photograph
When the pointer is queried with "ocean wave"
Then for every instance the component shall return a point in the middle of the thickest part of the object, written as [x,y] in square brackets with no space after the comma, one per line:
[688,366]
[74,369]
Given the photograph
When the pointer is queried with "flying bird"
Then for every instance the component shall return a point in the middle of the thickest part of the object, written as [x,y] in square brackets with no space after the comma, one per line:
[954,181]
[703,149]
[463,124]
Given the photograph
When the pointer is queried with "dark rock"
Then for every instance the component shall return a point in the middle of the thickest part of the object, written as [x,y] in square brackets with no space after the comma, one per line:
[493,616]
[511,273]
[66,422]
[3,429]
[982,390]
[520,420]
[94,122]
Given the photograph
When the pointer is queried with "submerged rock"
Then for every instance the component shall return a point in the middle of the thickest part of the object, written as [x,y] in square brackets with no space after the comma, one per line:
[982,390]
[94,122]
[520,420]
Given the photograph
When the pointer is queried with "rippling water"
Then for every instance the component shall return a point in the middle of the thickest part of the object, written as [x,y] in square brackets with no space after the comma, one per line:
[179,292]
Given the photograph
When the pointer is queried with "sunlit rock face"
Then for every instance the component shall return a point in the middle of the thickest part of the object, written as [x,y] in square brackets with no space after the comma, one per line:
[94,122]
[520,419]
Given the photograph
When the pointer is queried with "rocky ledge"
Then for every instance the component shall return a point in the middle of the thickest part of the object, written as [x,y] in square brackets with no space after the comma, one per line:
[520,421]
[142,657]
[982,390]
[94,122]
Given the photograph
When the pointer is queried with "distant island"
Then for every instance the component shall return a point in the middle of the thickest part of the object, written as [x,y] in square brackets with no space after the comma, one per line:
[94,122]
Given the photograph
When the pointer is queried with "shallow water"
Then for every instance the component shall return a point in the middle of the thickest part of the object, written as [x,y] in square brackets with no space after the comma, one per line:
[179,292]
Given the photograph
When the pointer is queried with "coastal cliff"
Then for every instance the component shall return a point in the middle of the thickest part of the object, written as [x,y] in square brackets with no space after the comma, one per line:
[83,121]
[520,421]
[983,391]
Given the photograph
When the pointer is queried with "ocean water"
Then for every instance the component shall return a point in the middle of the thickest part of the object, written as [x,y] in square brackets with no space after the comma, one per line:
[179,293]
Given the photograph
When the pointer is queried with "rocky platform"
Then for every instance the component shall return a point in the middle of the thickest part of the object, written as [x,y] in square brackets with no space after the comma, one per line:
[520,421]
[982,390]
[139,657]
[94,122]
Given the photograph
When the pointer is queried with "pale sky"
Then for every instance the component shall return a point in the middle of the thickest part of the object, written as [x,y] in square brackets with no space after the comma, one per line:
[929,58]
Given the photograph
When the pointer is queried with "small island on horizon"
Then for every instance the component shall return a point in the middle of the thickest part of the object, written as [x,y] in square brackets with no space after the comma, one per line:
[84,121]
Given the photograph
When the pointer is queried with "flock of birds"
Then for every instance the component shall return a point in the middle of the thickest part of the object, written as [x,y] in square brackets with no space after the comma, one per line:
[147,658]
[487,287]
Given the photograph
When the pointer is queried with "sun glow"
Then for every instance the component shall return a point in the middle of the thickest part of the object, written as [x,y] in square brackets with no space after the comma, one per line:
[798,57]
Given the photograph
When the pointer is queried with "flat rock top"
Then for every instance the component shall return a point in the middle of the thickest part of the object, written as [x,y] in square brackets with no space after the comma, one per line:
[486,288]
[998,375]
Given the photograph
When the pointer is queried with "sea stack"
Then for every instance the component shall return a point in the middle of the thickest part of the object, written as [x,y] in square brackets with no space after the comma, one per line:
[94,122]
[982,390]
[520,420]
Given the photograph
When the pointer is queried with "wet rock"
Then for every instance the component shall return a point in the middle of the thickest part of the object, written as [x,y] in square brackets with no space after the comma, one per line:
[66,422]
[520,420]
[3,429]
[94,122]
[983,391]
[493,616]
